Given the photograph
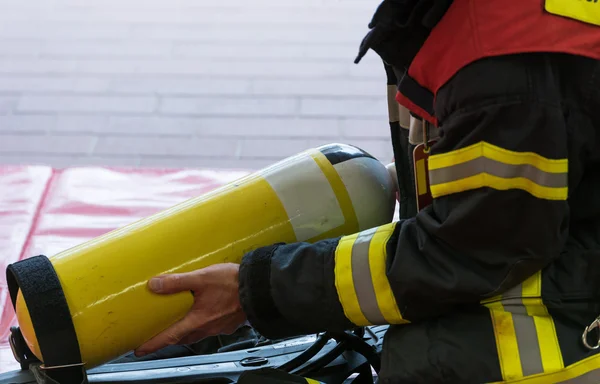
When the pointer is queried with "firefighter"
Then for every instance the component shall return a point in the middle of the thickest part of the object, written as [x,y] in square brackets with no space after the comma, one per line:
[496,278]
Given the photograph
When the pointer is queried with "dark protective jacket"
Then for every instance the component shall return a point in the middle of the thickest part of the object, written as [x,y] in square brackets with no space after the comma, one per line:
[496,280]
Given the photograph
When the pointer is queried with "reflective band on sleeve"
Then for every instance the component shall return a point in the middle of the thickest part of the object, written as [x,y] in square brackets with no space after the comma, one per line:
[344,282]
[361,279]
[485,165]
[378,265]
[525,333]
[586,371]
[507,344]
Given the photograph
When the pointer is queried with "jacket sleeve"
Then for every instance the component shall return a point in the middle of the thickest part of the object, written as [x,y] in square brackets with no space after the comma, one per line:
[499,215]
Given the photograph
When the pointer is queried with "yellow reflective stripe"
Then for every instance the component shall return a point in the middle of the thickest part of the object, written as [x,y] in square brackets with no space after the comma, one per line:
[583,372]
[525,333]
[341,193]
[485,165]
[484,149]
[550,353]
[378,265]
[531,293]
[495,305]
[506,343]
[361,279]
[487,180]
[344,281]
[549,348]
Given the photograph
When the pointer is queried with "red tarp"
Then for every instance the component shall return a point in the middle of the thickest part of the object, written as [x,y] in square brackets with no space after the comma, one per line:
[45,211]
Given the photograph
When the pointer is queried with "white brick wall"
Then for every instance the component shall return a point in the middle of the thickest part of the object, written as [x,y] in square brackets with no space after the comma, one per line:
[181,83]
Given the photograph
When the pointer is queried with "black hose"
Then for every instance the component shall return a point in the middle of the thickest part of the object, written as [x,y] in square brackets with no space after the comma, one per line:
[308,354]
[324,360]
[358,345]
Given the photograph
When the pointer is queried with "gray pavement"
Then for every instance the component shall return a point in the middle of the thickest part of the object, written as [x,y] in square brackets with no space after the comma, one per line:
[185,83]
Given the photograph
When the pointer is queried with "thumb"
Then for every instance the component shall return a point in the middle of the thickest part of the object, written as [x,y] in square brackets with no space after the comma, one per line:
[174,283]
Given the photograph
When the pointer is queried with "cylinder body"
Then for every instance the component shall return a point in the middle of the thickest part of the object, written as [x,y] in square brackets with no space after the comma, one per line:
[321,193]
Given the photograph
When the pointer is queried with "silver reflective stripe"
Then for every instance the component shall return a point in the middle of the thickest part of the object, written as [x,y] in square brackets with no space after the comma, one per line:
[512,300]
[363,282]
[496,168]
[529,346]
[525,331]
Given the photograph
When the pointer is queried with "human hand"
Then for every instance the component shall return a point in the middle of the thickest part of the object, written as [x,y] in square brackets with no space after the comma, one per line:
[216,310]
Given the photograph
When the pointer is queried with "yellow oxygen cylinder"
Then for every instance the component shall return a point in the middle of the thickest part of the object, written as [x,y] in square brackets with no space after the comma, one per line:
[325,192]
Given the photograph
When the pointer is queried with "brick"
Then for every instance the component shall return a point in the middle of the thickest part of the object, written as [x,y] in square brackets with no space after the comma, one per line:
[24,66]
[224,68]
[197,162]
[323,87]
[227,68]
[269,32]
[345,107]
[130,48]
[224,126]
[95,104]
[269,127]
[365,128]
[229,106]
[152,125]
[118,5]
[105,66]
[68,30]
[11,5]
[7,104]
[91,85]
[191,4]
[235,68]
[68,66]
[162,146]
[51,84]
[26,124]
[344,52]
[217,15]
[180,67]
[231,76]
[80,124]
[270,148]
[181,86]
[105,161]
[20,48]
[62,161]
[51,144]
[281,17]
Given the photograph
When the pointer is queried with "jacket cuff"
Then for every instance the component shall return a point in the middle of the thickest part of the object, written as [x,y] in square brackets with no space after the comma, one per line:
[256,298]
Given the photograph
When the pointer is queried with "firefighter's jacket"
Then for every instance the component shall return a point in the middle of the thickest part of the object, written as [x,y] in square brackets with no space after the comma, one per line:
[497,279]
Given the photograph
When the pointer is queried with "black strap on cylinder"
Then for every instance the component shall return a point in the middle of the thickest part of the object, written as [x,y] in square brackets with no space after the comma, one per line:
[38,282]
